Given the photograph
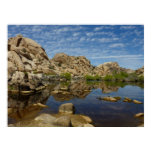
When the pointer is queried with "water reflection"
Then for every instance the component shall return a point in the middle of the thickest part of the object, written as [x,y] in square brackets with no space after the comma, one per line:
[83,95]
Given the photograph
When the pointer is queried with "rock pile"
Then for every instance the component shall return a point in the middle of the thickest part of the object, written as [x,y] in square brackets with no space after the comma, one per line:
[77,66]
[27,62]
[65,118]
[109,68]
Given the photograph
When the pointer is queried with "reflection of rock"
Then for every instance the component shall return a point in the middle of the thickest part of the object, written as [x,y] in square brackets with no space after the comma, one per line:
[26,113]
[21,107]
[67,108]
[108,88]
[75,89]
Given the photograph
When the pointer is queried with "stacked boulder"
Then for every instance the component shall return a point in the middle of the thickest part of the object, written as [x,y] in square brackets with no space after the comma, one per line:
[27,62]
[109,68]
[77,66]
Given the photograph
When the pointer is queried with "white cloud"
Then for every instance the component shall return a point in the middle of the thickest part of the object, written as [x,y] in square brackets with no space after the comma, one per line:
[89,33]
[127,27]
[119,56]
[104,40]
[76,34]
[116,45]
[82,39]
[98,28]
[108,39]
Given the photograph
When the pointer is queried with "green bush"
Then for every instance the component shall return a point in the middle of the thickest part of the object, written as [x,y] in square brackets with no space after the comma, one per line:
[123,76]
[50,74]
[92,78]
[141,78]
[120,76]
[108,78]
[67,76]
[116,76]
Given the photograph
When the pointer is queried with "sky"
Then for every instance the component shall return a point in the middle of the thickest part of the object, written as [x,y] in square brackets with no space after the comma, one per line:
[98,43]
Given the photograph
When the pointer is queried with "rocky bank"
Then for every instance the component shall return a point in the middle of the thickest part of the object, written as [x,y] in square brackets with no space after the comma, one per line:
[29,67]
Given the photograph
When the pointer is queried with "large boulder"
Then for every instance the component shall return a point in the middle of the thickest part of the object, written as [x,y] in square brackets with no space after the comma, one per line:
[26,59]
[67,108]
[63,121]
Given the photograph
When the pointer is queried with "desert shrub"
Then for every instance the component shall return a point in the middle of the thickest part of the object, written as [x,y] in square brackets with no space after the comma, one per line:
[116,76]
[97,77]
[141,78]
[67,76]
[120,76]
[91,78]
[67,83]
[108,78]
[24,50]
[50,74]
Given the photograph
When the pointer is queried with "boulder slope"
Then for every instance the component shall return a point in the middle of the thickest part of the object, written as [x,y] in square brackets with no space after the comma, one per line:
[27,60]
[109,68]
[77,66]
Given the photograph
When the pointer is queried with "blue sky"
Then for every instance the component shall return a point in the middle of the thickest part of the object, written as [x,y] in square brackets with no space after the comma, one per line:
[99,43]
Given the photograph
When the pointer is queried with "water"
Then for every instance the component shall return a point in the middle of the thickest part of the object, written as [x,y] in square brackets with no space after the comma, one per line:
[84,97]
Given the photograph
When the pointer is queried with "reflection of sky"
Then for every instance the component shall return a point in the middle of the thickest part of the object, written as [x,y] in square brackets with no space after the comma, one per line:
[99,43]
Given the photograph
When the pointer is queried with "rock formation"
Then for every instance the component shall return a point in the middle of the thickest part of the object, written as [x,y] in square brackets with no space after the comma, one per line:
[27,62]
[140,71]
[109,68]
[29,67]
[77,66]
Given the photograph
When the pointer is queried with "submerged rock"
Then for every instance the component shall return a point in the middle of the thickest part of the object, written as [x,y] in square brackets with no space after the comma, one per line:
[40,105]
[139,115]
[112,99]
[137,102]
[67,108]
[88,125]
[118,98]
[78,121]
[126,99]
[87,118]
